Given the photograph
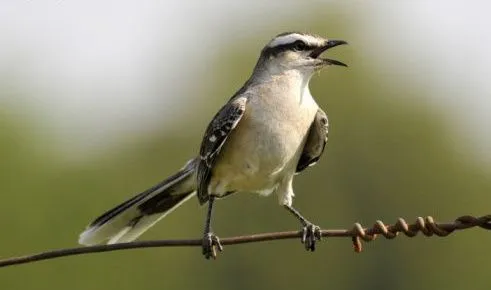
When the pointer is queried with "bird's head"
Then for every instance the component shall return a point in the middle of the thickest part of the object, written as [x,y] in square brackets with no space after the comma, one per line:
[298,51]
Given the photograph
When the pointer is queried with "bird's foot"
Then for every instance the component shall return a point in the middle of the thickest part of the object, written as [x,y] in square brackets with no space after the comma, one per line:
[311,234]
[211,244]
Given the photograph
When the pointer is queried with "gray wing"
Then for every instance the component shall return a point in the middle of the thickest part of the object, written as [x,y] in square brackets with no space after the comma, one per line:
[215,136]
[316,141]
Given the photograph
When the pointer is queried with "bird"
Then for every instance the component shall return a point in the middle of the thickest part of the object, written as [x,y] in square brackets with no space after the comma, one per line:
[270,130]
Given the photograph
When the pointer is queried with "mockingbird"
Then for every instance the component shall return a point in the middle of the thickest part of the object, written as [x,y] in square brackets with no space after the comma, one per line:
[270,130]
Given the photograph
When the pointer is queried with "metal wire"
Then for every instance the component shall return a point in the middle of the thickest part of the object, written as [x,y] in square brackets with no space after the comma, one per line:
[357,233]
[427,226]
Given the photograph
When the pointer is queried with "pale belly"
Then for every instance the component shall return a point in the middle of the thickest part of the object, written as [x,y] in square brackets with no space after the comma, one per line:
[263,150]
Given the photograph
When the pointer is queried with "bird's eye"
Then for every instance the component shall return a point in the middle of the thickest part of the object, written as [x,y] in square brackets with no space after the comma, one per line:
[299,45]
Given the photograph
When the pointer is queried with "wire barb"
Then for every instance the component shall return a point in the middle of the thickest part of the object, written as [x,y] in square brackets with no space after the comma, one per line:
[426,225]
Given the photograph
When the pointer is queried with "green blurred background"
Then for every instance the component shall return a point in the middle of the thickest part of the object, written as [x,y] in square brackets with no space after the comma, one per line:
[406,140]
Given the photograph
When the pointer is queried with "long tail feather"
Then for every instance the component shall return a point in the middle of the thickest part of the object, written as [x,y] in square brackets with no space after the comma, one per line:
[129,220]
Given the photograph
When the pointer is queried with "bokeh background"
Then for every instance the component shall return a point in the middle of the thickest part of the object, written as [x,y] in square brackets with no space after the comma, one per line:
[101,99]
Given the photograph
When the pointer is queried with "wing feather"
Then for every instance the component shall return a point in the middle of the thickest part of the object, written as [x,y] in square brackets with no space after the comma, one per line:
[215,137]
[316,141]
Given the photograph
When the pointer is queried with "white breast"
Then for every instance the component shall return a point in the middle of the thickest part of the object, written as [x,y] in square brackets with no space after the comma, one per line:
[266,144]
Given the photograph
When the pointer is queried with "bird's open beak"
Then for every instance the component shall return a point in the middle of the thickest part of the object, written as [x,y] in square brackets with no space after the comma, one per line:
[330,44]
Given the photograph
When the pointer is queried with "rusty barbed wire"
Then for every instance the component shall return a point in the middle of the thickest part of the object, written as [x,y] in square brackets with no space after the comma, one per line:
[427,226]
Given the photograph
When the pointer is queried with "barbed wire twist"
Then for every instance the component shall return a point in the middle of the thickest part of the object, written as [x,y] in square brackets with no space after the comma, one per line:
[427,226]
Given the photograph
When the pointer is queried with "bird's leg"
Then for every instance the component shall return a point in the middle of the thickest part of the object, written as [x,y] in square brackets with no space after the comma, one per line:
[210,242]
[311,233]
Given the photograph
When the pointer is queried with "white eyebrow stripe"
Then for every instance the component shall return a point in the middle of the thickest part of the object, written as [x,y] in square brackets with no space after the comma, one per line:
[291,38]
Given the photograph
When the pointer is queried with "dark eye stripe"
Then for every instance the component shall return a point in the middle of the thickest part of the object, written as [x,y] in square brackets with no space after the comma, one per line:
[284,47]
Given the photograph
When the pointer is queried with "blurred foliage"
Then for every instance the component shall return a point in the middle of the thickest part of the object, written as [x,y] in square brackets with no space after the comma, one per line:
[389,155]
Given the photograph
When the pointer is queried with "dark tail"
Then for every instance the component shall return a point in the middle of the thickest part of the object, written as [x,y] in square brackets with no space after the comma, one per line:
[129,220]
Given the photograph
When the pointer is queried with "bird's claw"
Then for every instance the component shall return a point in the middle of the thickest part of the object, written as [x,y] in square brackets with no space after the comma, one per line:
[310,235]
[211,244]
